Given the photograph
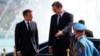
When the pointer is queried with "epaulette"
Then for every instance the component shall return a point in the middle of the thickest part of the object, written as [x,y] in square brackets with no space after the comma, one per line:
[82,44]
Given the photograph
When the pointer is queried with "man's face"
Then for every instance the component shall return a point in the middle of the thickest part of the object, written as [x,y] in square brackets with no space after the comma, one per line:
[79,33]
[56,10]
[28,16]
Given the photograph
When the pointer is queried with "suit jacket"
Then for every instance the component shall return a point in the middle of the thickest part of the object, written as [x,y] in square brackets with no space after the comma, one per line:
[65,25]
[88,33]
[26,41]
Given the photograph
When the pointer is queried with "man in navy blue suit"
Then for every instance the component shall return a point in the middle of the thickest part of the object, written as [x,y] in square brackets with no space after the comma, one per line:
[26,36]
[60,30]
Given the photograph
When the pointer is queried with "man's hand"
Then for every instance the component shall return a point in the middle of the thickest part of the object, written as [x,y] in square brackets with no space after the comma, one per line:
[37,52]
[50,50]
[19,53]
[58,34]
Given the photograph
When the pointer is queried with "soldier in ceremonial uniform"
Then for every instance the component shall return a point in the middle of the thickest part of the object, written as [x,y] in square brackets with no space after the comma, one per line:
[81,46]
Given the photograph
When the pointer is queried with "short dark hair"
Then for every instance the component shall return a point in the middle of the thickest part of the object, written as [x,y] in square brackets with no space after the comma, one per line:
[57,4]
[26,11]
[82,21]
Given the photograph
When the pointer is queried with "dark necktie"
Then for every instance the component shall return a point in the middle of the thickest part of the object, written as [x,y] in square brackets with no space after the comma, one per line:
[58,21]
[29,28]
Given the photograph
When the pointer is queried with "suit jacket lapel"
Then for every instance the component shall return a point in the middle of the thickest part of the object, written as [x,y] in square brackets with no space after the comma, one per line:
[24,26]
[61,19]
[55,20]
[32,26]
[33,38]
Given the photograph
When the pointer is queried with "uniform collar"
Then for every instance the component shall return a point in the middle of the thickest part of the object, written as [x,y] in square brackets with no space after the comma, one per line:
[81,37]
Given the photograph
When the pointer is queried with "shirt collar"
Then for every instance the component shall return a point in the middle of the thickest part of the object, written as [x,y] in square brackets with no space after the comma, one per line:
[27,21]
[61,13]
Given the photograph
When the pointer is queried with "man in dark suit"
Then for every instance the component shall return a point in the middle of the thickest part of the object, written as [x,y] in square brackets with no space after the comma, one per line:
[60,30]
[88,33]
[26,36]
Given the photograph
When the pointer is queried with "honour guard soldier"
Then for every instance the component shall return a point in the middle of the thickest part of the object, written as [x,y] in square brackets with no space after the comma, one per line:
[81,46]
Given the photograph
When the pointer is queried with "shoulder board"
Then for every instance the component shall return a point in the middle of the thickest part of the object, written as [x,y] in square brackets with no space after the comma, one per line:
[82,44]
